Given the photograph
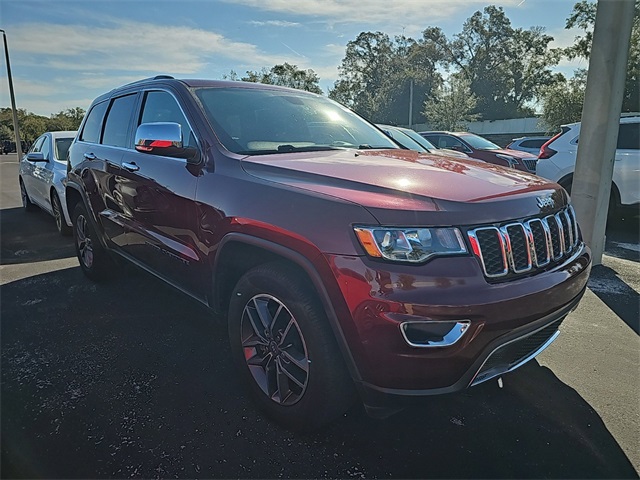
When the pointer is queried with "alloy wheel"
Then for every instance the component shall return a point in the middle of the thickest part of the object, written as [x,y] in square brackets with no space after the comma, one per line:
[83,241]
[57,212]
[274,349]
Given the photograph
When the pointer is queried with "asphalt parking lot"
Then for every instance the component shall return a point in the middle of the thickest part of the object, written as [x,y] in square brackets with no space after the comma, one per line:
[133,379]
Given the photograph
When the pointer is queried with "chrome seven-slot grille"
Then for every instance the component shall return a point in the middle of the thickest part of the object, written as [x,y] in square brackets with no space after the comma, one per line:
[520,247]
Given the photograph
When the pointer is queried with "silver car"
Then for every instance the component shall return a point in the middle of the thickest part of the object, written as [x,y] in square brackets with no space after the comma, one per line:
[43,171]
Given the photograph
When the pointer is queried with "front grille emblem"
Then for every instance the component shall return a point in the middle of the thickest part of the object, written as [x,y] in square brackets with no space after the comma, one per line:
[545,202]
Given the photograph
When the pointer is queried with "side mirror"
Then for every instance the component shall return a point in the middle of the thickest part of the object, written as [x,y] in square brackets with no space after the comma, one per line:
[164,138]
[36,157]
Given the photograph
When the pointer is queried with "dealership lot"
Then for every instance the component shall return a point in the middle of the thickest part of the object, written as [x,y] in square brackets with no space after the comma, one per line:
[134,379]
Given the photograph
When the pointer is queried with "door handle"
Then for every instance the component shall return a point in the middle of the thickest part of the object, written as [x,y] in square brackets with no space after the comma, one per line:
[89,156]
[132,167]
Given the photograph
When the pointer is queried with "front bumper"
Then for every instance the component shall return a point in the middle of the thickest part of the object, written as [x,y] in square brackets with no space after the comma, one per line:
[509,322]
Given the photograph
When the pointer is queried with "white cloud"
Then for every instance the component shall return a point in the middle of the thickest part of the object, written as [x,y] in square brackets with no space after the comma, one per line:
[373,11]
[274,23]
[130,47]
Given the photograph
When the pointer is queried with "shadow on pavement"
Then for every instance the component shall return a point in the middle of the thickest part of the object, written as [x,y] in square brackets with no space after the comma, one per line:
[31,237]
[622,299]
[132,379]
[623,239]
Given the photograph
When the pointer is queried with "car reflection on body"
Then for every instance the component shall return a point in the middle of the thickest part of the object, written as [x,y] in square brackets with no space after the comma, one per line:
[414,141]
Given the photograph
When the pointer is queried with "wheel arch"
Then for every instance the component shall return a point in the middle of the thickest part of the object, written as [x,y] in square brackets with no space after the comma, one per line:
[567,181]
[238,253]
[74,195]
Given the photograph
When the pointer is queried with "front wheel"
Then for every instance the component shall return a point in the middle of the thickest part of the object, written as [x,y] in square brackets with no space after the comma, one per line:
[285,350]
[94,259]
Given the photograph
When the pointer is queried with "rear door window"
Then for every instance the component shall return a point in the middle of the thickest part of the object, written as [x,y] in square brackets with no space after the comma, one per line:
[116,127]
[629,136]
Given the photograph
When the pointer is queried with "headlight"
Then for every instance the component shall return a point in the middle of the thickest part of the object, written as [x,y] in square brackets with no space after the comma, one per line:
[512,161]
[414,245]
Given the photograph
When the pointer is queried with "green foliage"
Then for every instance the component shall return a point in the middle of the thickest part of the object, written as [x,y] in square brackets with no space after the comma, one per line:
[285,75]
[376,74]
[583,16]
[451,106]
[507,68]
[562,102]
[32,126]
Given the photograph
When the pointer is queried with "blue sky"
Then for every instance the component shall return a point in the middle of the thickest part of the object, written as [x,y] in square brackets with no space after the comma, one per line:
[65,53]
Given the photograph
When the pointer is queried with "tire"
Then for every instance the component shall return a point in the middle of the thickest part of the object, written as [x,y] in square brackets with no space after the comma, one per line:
[58,214]
[284,348]
[26,202]
[613,213]
[94,259]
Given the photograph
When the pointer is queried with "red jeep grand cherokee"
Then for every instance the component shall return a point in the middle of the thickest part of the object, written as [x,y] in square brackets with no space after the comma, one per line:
[346,265]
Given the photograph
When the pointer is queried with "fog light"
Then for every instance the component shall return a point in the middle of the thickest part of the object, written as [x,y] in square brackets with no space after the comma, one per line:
[434,334]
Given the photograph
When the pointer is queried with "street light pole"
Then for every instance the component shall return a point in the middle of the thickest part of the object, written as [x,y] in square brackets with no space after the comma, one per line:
[16,130]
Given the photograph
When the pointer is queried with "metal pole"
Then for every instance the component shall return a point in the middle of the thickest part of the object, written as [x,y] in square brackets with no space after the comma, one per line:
[16,130]
[600,119]
[411,103]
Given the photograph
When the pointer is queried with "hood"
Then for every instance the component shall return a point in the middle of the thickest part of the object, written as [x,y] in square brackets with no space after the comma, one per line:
[405,180]
[448,153]
[514,153]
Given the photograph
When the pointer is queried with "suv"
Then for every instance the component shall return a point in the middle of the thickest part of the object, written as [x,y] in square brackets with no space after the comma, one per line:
[345,265]
[557,162]
[478,147]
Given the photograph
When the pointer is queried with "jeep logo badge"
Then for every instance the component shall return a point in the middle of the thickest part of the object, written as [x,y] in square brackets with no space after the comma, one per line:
[545,202]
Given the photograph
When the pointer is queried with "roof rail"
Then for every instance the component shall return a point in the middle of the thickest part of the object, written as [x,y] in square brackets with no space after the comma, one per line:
[157,77]
[630,114]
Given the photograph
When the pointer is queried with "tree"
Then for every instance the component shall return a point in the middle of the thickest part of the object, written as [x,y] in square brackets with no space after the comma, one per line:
[285,75]
[377,73]
[583,16]
[562,102]
[32,125]
[68,119]
[507,68]
[451,106]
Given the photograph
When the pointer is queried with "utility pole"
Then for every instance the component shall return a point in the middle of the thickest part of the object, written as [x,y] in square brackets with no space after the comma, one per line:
[16,130]
[411,103]
[600,120]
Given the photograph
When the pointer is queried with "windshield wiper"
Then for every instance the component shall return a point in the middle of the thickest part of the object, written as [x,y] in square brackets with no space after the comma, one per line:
[366,146]
[310,148]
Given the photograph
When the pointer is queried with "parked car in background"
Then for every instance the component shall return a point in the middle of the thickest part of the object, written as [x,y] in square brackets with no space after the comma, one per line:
[344,263]
[477,147]
[530,145]
[557,162]
[414,141]
[43,170]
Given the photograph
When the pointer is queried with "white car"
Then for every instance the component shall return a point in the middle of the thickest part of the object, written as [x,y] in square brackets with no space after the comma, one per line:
[557,162]
[528,144]
[42,172]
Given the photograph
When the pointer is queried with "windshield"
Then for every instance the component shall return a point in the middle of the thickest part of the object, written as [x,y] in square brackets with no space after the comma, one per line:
[253,121]
[62,148]
[402,138]
[478,142]
[426,144]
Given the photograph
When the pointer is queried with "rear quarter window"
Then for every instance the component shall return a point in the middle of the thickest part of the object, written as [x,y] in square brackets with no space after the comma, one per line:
[532,143]
[93,124]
